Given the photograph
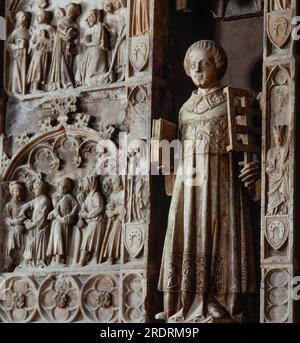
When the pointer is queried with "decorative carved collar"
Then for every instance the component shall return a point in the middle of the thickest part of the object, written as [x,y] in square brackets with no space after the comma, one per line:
[200,103]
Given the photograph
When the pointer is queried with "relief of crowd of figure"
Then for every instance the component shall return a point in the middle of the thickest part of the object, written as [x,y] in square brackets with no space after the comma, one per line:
[64,230]
[43,57]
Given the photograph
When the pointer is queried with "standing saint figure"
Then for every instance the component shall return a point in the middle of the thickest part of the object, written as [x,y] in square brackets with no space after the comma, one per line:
[91,222]
[63,217]
[18,43]
[115,21]
[278,173]
[37,226]
[65,47]
[111,247]
[140,22]
[94,67]
[14,220]
[207,264]
[40,47]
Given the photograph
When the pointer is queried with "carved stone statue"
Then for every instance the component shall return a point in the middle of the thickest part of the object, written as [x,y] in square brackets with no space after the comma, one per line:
[278,173]
[91,222]
[41,45]
[14,220]
[140,20]
[115,19]
[136,186]
[94,67]
[65,47]
[207,264]
[18,43]
[63,217]
[111,248]
[37,226]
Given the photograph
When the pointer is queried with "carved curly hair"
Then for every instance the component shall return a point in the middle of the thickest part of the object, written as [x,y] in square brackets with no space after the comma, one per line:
[214,49]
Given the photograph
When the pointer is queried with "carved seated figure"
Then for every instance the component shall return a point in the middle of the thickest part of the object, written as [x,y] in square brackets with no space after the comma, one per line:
[91,222]
[111,248]
[63,217]
[207,264]
[14,220]
[37,226]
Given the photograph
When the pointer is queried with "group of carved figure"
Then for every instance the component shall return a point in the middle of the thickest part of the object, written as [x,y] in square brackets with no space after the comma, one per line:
[43,56]
[64,230]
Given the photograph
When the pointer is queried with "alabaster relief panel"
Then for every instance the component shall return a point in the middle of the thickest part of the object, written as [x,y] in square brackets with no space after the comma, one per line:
[63,207]
[277,300]
[80,44]
[278,26]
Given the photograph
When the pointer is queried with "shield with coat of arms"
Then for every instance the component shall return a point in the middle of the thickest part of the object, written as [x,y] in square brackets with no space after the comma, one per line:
[279,27]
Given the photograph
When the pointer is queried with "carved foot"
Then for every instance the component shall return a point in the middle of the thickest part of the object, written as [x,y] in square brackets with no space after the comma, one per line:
[161,316]
[216,311]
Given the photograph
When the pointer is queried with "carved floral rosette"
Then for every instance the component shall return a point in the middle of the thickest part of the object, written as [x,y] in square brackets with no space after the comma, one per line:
[277,296]
[18,299]
[58,299]
[99,300]
[133,298]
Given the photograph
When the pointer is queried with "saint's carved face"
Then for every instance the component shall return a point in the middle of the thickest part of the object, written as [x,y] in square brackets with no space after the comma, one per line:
[38,188]
[63,187]
[91,20]
[108,6]
[203,69]
[21,18]
[16,192]
[42,18]
[71,12]
[86,185]
[279,138]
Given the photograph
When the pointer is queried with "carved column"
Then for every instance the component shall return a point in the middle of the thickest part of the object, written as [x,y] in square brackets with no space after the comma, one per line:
[279,211]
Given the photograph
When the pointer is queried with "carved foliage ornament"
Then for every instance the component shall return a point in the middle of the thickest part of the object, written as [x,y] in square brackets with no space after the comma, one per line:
[59,298]
[18,299]
[100,299]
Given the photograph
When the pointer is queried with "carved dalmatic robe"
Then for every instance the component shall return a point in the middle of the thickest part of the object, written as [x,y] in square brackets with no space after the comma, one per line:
[14,221]
[95,63]
[37,237]
[41,45]
[93,232]
[64,51]
[60,235]
[278,177]
[140,23]
[208,245]
[18,43]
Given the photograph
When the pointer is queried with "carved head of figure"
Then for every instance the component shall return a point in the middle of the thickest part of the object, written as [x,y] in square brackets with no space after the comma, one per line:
[108,6]
[279,133]
[23,19]
[17,191]
[59,13]
[44,17]
[40,188]
[118,4]
[93,17]
[65,186]
[73,11]
[90,184]
[205,62]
